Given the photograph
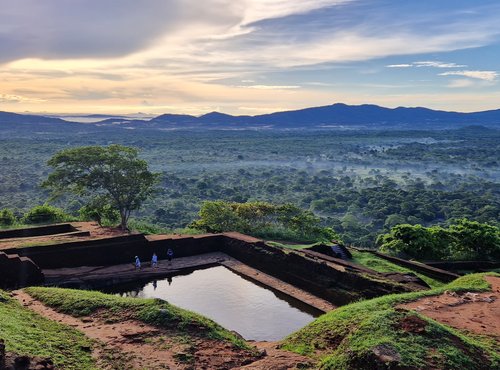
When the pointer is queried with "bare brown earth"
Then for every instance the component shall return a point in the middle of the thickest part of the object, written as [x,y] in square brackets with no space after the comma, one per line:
[96,232]
[478,313]
[134,345]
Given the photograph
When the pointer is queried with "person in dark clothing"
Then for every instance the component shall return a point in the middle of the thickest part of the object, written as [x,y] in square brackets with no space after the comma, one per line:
[170,255]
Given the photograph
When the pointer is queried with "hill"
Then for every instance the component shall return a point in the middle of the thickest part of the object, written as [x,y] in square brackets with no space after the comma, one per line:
[326,117]
[388,333]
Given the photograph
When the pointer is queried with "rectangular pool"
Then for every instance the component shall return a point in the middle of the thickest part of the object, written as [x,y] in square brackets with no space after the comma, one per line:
[237,303]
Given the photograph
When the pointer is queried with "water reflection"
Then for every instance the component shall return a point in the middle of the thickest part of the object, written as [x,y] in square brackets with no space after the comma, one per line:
[234,302]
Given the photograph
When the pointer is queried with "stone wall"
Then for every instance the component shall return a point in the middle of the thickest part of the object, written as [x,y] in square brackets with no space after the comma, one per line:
[16,271]
[116,250]
[339,286]
[37,231]
[335,283]
[434,272]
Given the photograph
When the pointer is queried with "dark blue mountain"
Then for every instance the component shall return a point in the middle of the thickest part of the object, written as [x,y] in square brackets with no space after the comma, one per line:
[14,118]
[373,115]
[336,115]
[348,115]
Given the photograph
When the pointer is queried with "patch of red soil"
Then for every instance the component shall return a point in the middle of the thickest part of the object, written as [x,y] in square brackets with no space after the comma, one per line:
[277,359]
[412,324]
[478,313]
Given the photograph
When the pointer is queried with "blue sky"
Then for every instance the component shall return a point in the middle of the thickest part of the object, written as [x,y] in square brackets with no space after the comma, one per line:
[247,57]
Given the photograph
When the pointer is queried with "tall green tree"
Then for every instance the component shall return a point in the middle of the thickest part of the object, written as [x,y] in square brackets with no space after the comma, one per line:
[465,239]
[114,173]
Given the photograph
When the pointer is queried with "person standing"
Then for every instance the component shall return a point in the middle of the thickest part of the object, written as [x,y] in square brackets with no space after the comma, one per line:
[170,255]
[137,263]
[154,260]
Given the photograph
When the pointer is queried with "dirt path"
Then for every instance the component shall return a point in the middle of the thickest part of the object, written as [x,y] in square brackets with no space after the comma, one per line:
[478,313]
[130,344]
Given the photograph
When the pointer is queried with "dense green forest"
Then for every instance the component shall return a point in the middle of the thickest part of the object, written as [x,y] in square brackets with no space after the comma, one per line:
[360,183]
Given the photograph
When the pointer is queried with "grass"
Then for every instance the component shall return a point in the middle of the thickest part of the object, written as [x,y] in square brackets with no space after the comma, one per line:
[289,246]
[345,338]
[27,333]
[150,228]
[378,264]
[150,311]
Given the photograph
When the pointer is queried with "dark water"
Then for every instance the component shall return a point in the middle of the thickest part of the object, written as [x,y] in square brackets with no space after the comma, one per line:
[232,301]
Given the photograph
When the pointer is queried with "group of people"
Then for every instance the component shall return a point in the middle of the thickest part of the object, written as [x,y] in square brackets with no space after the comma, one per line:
[154,259]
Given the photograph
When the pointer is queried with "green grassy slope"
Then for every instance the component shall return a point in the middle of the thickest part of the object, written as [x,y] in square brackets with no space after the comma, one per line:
[27,333]
[350,336]
[151,311]
[378,264]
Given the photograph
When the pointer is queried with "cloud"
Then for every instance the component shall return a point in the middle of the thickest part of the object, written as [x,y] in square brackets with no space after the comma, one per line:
[432,64]
[54,29]
[461,83]
[399,65]
[270,87]
[10,98]
[191,53]
[480,75]
[437,64]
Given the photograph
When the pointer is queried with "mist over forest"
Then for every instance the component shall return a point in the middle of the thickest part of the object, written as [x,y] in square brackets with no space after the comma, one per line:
[360,182]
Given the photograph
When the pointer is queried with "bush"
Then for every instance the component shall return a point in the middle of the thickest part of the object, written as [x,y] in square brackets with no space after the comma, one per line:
[7,217]
[467,240]
[45,214]
[100,210]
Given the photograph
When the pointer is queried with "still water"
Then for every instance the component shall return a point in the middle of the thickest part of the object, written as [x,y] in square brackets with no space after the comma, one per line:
[234,302]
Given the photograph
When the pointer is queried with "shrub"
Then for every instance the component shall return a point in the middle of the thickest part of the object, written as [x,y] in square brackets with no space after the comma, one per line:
[99,209]
[7,217]
[45,214]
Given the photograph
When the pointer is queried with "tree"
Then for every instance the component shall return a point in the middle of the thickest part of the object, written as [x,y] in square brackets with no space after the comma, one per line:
[469,240]
[475,240]
[7,217]
[283,221]
[114,173]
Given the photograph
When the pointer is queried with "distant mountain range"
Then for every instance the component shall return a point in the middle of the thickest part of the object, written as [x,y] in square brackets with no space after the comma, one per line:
[331,116]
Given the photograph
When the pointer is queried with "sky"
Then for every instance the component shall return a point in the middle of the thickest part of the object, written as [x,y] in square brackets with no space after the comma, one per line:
[247,56]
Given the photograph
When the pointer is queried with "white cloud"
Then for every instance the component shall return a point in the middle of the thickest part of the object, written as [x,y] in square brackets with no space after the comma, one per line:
[480,75]
[432,64]
[399,65]
[257,10]
[437,64]
[271,87]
